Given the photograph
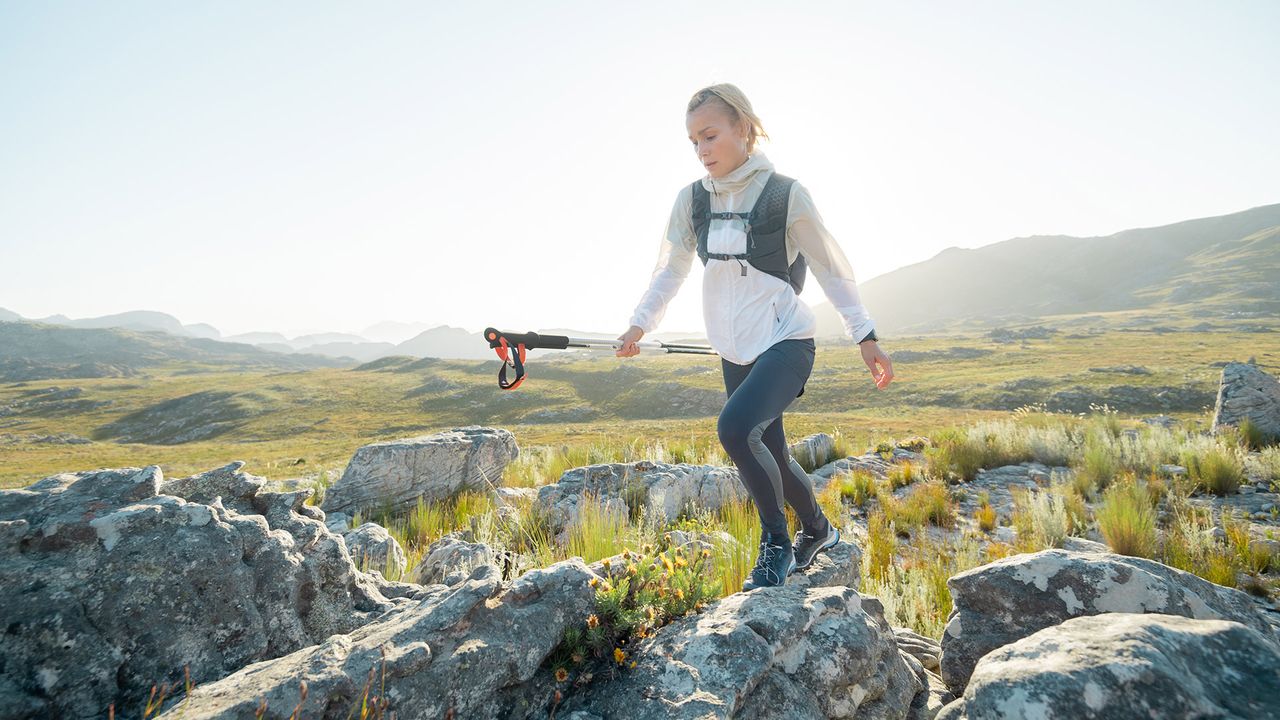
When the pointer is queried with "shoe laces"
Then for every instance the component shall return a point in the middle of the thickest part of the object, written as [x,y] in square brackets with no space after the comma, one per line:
[765,561]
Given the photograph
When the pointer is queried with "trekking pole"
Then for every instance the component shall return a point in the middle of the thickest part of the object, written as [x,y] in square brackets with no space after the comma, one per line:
[511,349]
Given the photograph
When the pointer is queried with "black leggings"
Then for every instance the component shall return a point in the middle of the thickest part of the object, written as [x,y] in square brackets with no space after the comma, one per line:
[750,428]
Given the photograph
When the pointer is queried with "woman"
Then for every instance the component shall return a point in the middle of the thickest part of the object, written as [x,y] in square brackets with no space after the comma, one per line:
[754,319]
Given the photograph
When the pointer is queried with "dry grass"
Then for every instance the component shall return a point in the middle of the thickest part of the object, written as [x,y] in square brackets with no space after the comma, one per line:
[1126,519]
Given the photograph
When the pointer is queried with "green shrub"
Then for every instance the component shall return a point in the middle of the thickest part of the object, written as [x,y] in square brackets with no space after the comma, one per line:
[954,453]
[926,502]
[902,475]
[882,544]
[986,516]
[1218,471]
[1097,468]
[1127,521]
[856,487]
[1040,519]
[631,603]
[600,531]
[1253,437]
[1188,544]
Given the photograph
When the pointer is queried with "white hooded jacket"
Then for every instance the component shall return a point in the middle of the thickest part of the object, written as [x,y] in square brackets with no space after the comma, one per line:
[747,311]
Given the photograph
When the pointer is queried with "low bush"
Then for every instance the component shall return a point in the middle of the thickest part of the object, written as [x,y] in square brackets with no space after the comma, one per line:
[1216,470]
[1126,519]
[652,589]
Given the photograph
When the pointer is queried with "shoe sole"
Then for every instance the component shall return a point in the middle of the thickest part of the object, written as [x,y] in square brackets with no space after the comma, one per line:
[824,546]
[747,586]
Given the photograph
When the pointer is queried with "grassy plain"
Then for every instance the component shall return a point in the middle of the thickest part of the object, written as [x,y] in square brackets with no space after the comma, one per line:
[286,425]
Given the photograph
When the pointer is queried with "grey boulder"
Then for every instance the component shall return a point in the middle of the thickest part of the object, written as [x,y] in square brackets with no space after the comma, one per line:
[775,652]
[450,560]
[1245,391]
[108,586]
[1007,600]
[1119,666]
[667,489]
[372,547]
[397,473]
[470,651]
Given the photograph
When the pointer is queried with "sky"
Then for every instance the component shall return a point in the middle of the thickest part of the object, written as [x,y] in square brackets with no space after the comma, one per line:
[303,167]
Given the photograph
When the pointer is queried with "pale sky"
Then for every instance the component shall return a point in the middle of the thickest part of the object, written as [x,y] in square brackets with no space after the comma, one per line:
[308,166]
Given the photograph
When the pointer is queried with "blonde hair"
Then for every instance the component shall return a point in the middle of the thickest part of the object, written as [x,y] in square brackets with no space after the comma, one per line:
[735,103]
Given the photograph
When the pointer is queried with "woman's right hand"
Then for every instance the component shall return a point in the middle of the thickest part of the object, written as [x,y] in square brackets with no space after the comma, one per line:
[629,340]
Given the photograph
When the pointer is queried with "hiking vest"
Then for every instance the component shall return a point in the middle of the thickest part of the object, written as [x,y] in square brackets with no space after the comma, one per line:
[766,227]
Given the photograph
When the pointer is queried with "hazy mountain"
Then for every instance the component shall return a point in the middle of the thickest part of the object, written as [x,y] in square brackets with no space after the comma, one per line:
[32,350]
[259,338]
[204,330]
[9,316]
[1196,270]
[445,342]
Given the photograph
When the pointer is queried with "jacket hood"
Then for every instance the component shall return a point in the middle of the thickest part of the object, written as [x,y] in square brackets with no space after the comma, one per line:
[740,177]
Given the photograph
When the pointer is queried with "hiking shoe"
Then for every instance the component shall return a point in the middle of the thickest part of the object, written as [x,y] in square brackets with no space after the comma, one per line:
[775,562]
[808,546]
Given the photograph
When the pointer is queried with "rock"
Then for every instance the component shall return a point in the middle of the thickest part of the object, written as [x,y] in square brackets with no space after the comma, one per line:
[814,451]
[470,651]
[1245,391]
[925,649]
[108,587]
[397,473]
[838,566]
[451,560]
[1009,599]
[372,547]
[337,522]
[1121,665]
[666,488]
[775,652]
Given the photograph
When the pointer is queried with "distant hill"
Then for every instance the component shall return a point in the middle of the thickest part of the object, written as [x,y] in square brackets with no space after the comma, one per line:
[445,342]
[1194,271]
[33,351]
[139,320]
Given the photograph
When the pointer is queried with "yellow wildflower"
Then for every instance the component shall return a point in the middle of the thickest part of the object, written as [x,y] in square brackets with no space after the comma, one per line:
[681,562]
[592,621]
[633,663]
[666,562]
[618,655]
[606,564]
[561,674]
[706,553]
[593,582]
[632,569]
[679,594]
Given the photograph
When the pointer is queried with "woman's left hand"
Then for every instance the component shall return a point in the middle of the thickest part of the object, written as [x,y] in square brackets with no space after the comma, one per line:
[879,363]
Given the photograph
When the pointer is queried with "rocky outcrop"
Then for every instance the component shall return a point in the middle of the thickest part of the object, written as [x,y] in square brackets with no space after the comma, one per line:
[372,547]
[814,451]
[1247,392]
[1003,602]
[1120,665]
[471,651]
[113,580]
[776,652]
[661,486]
[452,559]
[397,473]
[839,565]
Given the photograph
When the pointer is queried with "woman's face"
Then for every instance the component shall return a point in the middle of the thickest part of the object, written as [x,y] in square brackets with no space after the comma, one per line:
[720,146]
